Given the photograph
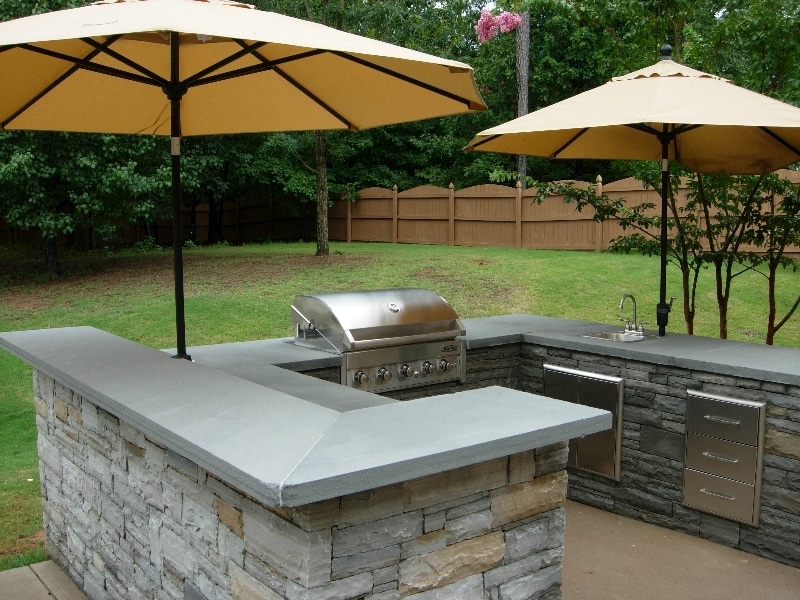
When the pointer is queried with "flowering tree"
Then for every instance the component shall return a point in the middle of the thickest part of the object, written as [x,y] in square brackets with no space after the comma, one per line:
[489,26]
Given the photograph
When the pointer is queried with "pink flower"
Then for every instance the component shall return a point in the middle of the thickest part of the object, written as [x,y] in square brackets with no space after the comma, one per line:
[487,26]
[508,21]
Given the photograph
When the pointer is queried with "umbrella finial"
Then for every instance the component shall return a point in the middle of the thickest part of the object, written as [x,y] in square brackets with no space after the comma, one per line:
[666,52]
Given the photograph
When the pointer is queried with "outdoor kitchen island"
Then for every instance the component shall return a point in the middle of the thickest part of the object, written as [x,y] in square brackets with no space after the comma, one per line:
[171,479]
[660,376]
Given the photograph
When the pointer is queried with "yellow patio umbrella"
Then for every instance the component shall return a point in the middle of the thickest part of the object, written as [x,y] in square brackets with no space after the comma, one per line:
[666,111]
[196,67]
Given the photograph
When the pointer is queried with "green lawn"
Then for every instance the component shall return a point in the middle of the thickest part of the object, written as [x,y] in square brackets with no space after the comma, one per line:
[244,293]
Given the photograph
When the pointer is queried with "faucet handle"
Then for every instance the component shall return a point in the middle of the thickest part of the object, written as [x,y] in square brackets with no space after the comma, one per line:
[642,324]
[627,323]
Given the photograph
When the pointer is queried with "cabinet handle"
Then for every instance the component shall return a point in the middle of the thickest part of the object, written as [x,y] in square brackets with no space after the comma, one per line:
[722,420]
[722,458]
[718,495]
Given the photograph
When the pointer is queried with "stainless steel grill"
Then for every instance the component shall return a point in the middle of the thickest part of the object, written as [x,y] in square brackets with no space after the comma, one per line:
[388,339]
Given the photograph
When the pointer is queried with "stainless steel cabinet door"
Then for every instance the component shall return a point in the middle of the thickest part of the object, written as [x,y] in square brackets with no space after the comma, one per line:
[598,452]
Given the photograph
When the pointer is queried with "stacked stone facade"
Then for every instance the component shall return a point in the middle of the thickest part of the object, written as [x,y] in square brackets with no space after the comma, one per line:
[130,518]
[654,429]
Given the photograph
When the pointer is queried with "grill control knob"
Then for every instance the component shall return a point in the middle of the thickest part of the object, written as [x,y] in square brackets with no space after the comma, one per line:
[407,371]
[428,368]
[384,374]
[360,378]
[446,365]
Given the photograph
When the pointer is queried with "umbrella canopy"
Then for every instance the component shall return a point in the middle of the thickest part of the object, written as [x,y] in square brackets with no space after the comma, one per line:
[108,68]
[666,111]
[196,67]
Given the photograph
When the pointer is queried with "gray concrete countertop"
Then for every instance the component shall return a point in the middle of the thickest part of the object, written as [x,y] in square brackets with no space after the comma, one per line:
[724,357]
[282,449]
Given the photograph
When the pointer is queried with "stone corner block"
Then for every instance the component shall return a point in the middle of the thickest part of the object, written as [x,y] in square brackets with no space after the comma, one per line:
[529,498]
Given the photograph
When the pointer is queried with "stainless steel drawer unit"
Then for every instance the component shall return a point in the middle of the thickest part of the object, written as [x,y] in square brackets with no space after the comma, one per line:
[598,453]
[724,456]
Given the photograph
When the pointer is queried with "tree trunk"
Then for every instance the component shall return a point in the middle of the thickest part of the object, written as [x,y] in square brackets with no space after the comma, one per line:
[321,153]
[522,59]
[688,312]
[722,301]
[51,257]
[771,329]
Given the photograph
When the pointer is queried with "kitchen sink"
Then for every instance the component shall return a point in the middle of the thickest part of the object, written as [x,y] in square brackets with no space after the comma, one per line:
[619,336]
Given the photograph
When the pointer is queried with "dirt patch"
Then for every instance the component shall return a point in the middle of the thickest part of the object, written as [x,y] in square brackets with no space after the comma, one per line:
[25,544]
[202,274]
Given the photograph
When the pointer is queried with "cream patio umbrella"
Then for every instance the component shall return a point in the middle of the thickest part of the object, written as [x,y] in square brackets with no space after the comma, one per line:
[195,67]
[666,111]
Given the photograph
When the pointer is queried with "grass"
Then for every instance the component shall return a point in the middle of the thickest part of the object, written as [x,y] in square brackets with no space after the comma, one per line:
[244,293]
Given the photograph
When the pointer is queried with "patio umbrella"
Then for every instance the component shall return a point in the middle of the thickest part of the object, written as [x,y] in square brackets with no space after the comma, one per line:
[194,67]
[666,111]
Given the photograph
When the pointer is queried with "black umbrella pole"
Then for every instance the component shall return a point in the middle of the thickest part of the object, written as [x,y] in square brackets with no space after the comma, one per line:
[175,92]
[662,310]
[177,251]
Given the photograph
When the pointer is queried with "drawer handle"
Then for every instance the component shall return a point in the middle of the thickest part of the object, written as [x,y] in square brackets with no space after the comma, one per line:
[722,458]
[718,495]
[722,420]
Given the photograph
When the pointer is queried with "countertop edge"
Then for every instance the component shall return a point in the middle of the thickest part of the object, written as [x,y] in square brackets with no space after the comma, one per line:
[188,416]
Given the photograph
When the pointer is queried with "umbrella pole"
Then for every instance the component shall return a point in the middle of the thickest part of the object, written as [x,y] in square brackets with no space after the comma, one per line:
[662,310]
[174,92]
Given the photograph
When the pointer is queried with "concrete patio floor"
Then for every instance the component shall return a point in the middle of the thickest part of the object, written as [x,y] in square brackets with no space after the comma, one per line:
[607,557]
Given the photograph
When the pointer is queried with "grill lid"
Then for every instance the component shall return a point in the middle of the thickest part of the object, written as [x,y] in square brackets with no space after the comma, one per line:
[346,321]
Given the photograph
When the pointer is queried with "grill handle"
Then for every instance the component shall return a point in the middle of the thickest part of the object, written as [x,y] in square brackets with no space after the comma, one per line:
[358,344]
[310,326]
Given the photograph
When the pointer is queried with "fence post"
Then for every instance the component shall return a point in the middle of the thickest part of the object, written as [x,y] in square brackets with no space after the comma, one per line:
[350,219]
[518,216]
[451,216]
[394,213]
[599,235]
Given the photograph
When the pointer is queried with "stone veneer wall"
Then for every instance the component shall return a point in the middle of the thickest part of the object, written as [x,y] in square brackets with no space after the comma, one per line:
[128,518]
[654,427]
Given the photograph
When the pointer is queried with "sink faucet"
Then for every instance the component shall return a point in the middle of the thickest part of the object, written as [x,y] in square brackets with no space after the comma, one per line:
[629,325]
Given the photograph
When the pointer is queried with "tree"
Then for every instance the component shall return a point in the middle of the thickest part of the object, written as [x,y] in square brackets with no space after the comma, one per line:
[58,183]
[776,226]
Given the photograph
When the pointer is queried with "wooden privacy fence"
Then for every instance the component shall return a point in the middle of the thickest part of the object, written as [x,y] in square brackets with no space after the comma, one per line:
[488,215]
[483,215]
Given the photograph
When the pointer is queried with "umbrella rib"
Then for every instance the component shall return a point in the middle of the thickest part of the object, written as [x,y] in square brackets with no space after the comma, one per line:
[406,78]
[84,63]
[272,65]
[779,139]
[569,142]
[317,100]
[671,135]
[485,141]
[198,78]
[77,64]
[149,76]
[54,84]
[266,65]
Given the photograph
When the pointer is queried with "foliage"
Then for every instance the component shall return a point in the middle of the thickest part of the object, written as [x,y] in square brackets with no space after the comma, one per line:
[721,217]
[755,44]
[575,45]
[775,225]
[58,182]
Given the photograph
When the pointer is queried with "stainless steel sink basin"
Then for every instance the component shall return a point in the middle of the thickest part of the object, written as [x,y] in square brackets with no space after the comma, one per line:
[619,336]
